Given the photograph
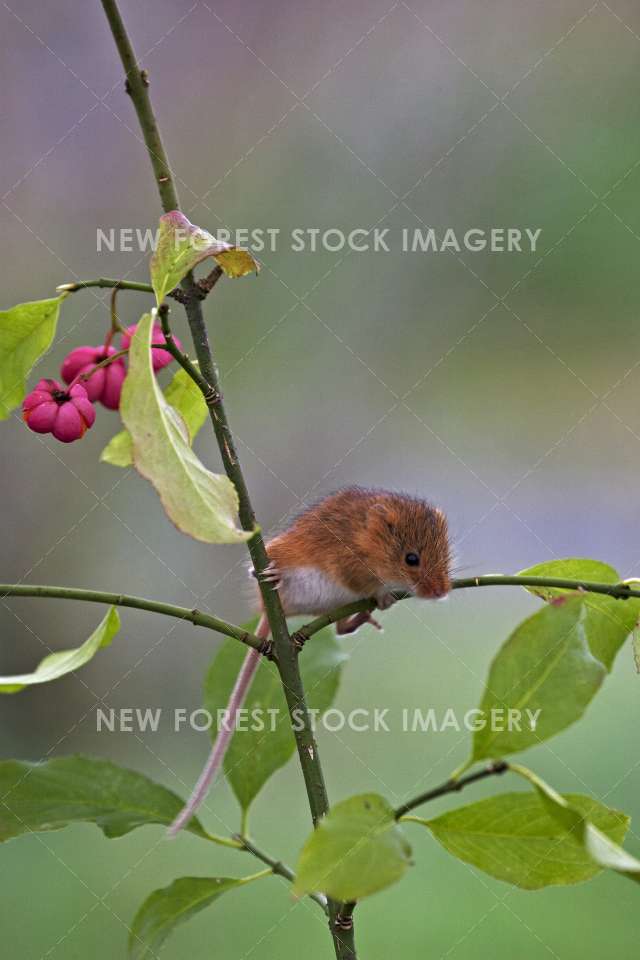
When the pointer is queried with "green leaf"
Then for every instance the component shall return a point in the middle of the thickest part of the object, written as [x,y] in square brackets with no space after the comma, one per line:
[65,661]
[186,399]
[580,825]
[26,332]
[51,795]
[546,668]
[514,838]
[182,246]
[200,503]
[254,755]
[571,568]
[609,621]
[119,451]
[356,850]
[165,909]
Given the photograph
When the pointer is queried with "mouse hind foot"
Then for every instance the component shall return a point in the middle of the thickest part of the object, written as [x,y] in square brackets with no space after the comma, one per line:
[356,620]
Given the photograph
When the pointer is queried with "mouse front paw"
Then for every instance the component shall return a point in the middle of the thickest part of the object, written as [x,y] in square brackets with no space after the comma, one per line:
[385,600]
[271,575]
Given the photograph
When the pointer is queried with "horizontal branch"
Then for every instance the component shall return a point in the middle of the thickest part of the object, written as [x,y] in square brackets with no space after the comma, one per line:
[195,617]
[314,626]
[105,283]
[201,288]
[451,786]
[621,591]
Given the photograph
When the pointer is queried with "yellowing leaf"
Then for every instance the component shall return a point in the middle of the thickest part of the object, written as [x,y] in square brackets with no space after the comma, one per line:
[185,397]
[26,332]
[182,246]
[200,503]
[236,262]
[65,661]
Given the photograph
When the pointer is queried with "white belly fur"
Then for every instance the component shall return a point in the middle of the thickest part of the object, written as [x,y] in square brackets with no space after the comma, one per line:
[308,590]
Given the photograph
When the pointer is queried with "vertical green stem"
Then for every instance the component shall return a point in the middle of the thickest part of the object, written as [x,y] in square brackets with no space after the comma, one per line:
[137,86]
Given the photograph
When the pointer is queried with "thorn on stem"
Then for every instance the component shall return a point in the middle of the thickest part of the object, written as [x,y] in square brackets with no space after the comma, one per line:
[230,456]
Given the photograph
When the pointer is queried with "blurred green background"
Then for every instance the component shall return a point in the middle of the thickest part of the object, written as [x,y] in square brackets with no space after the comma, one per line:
[504,386]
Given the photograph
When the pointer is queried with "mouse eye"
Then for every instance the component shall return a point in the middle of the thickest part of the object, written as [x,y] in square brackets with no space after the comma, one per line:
[412,559]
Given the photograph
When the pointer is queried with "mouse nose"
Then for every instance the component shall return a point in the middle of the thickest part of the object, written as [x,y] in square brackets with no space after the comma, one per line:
[436,587]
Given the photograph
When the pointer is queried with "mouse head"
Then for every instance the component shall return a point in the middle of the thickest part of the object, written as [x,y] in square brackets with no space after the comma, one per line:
[412,545]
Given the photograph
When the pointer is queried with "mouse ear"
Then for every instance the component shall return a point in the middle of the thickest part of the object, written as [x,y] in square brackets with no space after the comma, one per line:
[381,512]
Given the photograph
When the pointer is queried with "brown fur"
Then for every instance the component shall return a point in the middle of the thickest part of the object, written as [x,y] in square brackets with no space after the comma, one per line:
[360,537]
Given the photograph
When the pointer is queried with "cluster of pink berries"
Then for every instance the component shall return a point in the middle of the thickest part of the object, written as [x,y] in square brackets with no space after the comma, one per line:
[91,377]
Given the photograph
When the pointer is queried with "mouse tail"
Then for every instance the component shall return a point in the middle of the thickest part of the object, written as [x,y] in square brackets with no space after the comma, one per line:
[221,745]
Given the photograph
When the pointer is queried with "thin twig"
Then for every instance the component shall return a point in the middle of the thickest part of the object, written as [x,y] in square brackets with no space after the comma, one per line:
[202,287]
[211,396]
[451,786]
[87,374]
[278,867]
[620,591]
[106,283]
[345,914]
[207,283]
[116,326]
[195,617]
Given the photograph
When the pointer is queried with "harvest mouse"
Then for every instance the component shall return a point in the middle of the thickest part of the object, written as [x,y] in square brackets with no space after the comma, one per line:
[353,545]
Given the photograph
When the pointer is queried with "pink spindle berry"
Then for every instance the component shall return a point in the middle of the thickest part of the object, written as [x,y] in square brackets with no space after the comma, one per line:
[159,358]
[105,383]
[67,414]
